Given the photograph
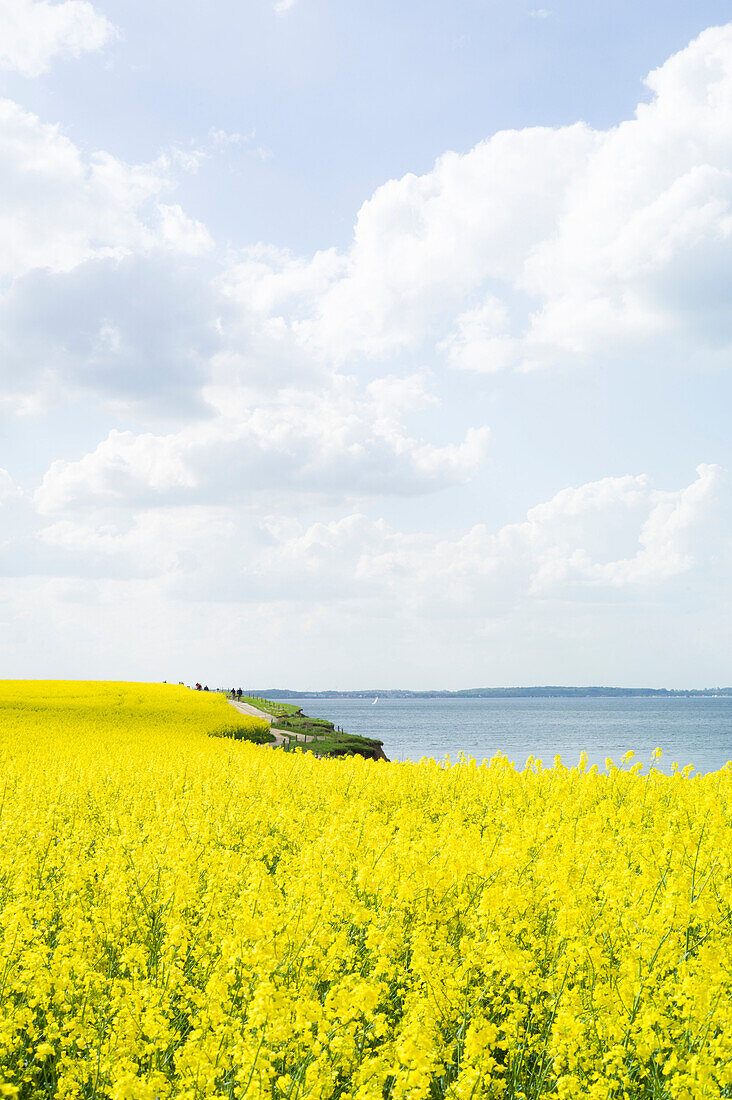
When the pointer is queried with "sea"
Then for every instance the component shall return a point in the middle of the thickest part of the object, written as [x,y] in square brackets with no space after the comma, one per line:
[694,730]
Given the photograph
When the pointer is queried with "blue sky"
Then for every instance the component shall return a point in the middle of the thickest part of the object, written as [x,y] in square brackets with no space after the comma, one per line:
[403,324]
[345,96]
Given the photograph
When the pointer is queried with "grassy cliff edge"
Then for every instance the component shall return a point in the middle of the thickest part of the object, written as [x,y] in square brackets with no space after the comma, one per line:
[316,735]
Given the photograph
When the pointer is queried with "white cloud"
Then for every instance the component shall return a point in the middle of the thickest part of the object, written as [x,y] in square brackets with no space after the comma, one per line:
[283,6]
[561,546]
[539,246]
[33,32]
[112,290]
[224,138]
[8,488]
[182,233]
[618,533]
[478,341]
[607,536]
[277,398]
[172,542]
[190,160]
[614,579]
[105,283]
[139,330]
[59,208]
[600,512]
[339,441]
[424,247]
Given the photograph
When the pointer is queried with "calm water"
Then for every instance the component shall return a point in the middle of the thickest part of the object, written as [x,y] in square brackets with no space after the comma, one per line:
[694,731]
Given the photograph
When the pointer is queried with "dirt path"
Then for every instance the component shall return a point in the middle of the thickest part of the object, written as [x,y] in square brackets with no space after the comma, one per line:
[247,708]
[254,712]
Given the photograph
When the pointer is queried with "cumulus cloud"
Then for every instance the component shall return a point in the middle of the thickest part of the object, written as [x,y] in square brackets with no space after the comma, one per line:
[425,245]
[575,531]
[342,441]
[539,246]
[611,534]
[138,329]
[305,389]
[33,32]
[614,534]
[60,208]
[600,572]
[106,285]
[114,291]
[172,542]
[607,536]
[184,234]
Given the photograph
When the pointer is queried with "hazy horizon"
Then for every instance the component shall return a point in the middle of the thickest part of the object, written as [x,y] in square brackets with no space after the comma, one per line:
[494,687]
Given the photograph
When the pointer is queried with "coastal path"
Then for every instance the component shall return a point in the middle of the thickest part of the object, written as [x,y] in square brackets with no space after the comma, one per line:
[254,712]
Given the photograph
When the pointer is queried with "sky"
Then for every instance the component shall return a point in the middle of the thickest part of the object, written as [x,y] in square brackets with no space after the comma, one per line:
[366,345]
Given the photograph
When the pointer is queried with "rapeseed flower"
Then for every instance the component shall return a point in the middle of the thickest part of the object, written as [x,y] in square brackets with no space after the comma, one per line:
[184,915]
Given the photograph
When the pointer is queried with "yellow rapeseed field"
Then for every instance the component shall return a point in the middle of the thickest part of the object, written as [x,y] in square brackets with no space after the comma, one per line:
[191,916]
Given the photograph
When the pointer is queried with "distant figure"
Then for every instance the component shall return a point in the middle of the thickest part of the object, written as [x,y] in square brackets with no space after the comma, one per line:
[206,688]
[233,693]
[238,694]
[198,687]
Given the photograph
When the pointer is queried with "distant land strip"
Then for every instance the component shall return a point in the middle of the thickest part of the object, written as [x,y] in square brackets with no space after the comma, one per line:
[500,693]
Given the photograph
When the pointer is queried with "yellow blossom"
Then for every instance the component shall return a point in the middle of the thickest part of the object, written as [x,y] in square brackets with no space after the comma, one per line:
[185,915]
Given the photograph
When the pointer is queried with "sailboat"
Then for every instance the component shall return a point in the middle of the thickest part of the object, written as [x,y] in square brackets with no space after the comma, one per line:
[375,700]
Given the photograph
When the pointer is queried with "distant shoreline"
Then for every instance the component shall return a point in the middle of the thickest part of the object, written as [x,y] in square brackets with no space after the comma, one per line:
[504,693]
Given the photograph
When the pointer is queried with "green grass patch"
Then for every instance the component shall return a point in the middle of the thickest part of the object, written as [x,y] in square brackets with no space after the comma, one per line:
[346,746]
[318,735]
[301,723]
[277,710]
